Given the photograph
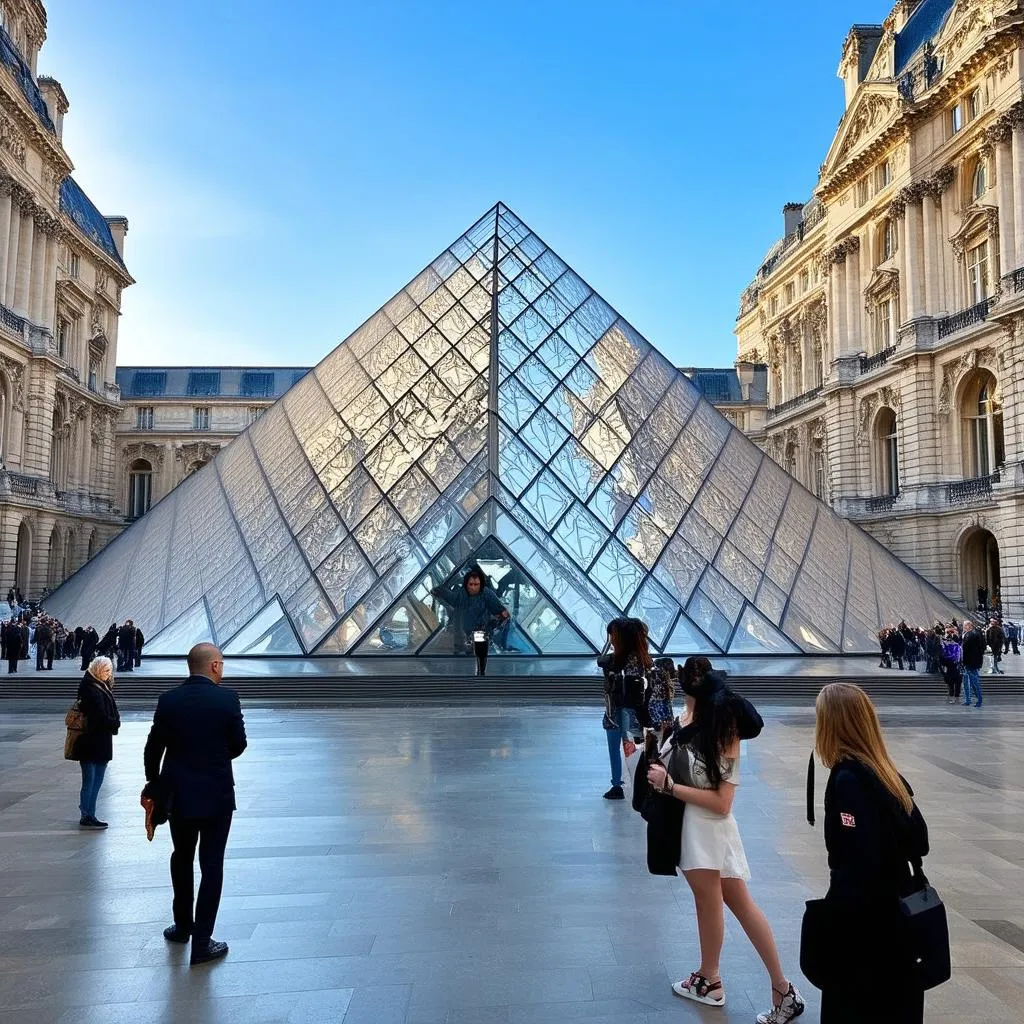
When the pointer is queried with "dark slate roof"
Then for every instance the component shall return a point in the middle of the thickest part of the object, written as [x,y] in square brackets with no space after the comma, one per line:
[212,381]
[79,207]
[924,24]
[722,385]
[15,63]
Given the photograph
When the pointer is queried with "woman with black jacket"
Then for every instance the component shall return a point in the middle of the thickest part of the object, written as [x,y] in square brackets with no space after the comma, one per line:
[94,749]
[872,830]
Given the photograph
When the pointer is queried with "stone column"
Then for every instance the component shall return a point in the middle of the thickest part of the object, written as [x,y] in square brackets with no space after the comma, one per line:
[837,306]
[85,454]
[1007,215]
[37,278]
[901,266]
[915,271]
[854,341]
[49,318]
[932,255]
[5,234]
[23,264]
[1018,191]
[13,246]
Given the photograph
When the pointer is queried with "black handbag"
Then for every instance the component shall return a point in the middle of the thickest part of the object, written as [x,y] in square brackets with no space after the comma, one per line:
[927,932]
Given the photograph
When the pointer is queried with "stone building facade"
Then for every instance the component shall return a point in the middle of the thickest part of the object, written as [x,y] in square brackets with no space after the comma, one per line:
[891,313]
[739,393]
[62,273]
[174,419]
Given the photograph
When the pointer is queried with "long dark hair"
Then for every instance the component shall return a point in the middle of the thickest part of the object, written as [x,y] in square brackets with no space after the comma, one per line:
[714,728]
[629,641]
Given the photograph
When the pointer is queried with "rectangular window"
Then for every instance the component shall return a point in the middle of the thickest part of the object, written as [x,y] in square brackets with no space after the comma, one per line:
[74,265]
[974,104]
[144,417]
[63,335]
[956,119]
[805,281]
[883,325]
[203,382]
[884,175]
[94,374]
[862,191]
[790,293]
[146,383]
[977,273]
[775,305]
[201,417]
[256,384]
[889,240]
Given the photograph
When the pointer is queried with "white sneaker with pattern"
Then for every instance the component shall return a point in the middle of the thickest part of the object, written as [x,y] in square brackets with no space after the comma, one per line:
[790,1007]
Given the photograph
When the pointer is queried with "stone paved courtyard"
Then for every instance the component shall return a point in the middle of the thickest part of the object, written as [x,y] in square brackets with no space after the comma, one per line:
[459,865]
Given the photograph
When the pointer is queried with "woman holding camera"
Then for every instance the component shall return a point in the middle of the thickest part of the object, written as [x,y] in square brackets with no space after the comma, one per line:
[712,859]
[872,828]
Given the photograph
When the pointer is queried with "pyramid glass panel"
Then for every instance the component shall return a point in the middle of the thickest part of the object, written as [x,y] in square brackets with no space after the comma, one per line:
[496,407]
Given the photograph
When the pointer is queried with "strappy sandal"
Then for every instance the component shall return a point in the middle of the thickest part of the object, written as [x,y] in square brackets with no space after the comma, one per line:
[700,990]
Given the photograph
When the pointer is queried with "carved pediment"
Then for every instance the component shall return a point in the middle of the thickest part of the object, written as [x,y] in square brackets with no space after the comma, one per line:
[871,112]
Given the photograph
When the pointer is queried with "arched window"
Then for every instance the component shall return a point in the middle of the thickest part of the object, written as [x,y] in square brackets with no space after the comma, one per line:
[887,453]
[982,426]
[140,488]
[979,183]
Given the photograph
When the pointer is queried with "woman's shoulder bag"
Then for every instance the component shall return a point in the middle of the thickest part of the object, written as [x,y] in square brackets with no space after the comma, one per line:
[76,724]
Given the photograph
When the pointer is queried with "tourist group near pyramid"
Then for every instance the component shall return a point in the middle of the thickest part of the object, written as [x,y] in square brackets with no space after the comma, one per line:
[496,410]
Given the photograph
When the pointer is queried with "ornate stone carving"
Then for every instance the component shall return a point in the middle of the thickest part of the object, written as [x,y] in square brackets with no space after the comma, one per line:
[890,396]
[102,278]
[197,451]
[843,248]
[152,453]
[12,140]
[864,414]
[875,110]
[16,375]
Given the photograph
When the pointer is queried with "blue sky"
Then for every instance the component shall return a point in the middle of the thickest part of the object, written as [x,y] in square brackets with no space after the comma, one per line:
[286,167]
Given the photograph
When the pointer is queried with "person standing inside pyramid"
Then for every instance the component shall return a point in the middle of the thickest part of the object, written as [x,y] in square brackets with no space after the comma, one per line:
[475,609]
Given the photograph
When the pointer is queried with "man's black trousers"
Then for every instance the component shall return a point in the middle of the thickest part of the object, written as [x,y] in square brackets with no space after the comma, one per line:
[212,836]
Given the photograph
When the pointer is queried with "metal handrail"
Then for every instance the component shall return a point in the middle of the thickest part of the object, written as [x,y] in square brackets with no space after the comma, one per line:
[958,321]
[966,490]
[881,503]
[807,396]
[868,363]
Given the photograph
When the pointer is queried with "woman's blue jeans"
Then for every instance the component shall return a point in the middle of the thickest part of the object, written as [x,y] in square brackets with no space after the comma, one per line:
[627,724]
[92,779]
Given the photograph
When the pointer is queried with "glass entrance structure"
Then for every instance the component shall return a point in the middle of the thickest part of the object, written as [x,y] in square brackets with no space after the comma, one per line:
[496,412]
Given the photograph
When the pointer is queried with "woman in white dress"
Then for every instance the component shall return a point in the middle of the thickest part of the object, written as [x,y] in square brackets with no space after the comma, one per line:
[712,858]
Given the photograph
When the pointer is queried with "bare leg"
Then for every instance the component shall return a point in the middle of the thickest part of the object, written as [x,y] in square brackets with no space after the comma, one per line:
[707,895]
[752,920]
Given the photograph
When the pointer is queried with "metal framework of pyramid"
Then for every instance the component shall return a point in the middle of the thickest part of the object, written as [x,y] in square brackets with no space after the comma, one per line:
[496,409]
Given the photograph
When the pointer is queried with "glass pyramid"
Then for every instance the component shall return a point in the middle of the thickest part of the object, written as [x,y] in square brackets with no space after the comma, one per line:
[496,410]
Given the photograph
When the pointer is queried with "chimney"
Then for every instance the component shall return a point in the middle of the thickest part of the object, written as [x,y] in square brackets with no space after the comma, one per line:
[118,228]
[56,101]
[792,217]
[858,53]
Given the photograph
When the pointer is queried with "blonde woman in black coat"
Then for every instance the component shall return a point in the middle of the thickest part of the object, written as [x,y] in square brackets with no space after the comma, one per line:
[94,749]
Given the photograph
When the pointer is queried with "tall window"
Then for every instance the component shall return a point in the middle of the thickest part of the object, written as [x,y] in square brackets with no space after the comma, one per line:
[888,240]
[883,325]
[63,333]
[140,488]
[956,118]
[887,451]
[884,174]
[974,104]
[983,427]
[144,417]
[977,273]
[862,191]
[94,374]
[818,470]
[74,265]
[201,417]
[979,186]
[58,452]
[790,293]
[805,281]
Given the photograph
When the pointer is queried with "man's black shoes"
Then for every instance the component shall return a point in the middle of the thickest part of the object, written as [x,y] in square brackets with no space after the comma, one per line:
[615,793]
[172,933]
[210,950]
[88,821]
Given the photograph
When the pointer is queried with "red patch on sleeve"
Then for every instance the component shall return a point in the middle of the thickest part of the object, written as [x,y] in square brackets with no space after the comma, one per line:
[848,820]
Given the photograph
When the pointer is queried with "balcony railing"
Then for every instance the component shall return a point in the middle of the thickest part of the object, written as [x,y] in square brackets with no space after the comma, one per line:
[968,490]
[868,363]
[882,503]
[1018,280]
[793,403]
[18,483]
[12,321]
[958,321]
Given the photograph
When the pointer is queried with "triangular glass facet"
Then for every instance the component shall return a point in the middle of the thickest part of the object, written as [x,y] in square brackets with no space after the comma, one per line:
[498,380]
[270,632]
[190,628]
[756,635]
[687,639]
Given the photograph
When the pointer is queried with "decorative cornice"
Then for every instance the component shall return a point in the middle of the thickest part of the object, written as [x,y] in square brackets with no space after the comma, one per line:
[843,248]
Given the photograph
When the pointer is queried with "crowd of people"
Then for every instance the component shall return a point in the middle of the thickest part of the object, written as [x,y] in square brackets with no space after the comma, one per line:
[873,830]
[27,632]
[954,650]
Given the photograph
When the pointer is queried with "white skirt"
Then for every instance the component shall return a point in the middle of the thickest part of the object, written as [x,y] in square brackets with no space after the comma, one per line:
[712,842]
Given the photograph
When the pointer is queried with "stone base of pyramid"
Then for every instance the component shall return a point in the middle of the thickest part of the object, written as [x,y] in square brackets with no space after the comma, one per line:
[441,680]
